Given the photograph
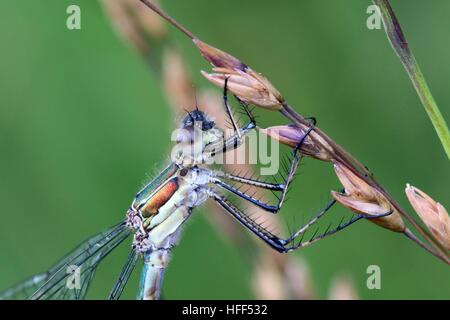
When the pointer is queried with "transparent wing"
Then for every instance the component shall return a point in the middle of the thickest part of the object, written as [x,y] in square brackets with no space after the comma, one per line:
[70,277]
[24,289]
[125,274]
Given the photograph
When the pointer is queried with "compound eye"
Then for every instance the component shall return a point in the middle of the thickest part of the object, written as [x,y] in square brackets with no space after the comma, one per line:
[183,172]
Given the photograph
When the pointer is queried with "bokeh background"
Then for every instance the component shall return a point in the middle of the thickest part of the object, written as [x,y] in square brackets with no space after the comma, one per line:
[83,123]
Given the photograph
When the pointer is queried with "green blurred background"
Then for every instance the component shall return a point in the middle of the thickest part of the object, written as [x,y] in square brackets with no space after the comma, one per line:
[83,122]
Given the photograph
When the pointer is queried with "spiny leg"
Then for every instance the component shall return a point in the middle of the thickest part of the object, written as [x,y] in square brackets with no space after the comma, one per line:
[267,236]
[279,244]
[250,181]
[295,160]
[235,140]
[342,225]
[247,111]
[243,195]
[229,111]
[228,144]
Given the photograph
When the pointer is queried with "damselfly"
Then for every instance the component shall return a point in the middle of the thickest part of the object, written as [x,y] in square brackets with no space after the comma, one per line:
[158,212]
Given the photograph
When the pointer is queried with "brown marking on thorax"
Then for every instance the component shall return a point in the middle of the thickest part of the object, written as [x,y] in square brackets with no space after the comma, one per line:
[160,198]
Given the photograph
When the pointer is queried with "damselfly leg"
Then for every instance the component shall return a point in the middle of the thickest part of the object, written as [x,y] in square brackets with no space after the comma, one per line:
[279,244]
[293,166]
[236,139]
[287,244]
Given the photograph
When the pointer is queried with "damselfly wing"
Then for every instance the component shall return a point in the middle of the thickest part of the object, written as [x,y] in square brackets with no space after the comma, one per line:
[71,276]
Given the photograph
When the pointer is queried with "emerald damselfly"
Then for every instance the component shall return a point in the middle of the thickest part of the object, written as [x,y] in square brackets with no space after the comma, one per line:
[159,210]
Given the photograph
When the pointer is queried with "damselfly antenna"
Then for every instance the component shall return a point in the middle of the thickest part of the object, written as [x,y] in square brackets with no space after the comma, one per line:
[196,101]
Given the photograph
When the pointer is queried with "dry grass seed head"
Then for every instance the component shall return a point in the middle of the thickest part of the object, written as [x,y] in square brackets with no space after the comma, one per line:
[432,213]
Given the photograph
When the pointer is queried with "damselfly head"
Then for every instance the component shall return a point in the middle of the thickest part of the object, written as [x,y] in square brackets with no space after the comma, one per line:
[197,118]
[197,130]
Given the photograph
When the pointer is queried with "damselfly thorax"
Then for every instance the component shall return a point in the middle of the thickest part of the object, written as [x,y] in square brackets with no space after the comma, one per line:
[159,219]
[162,206]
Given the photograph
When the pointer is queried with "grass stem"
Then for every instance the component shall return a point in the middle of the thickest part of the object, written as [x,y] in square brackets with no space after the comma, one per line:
[400,45]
